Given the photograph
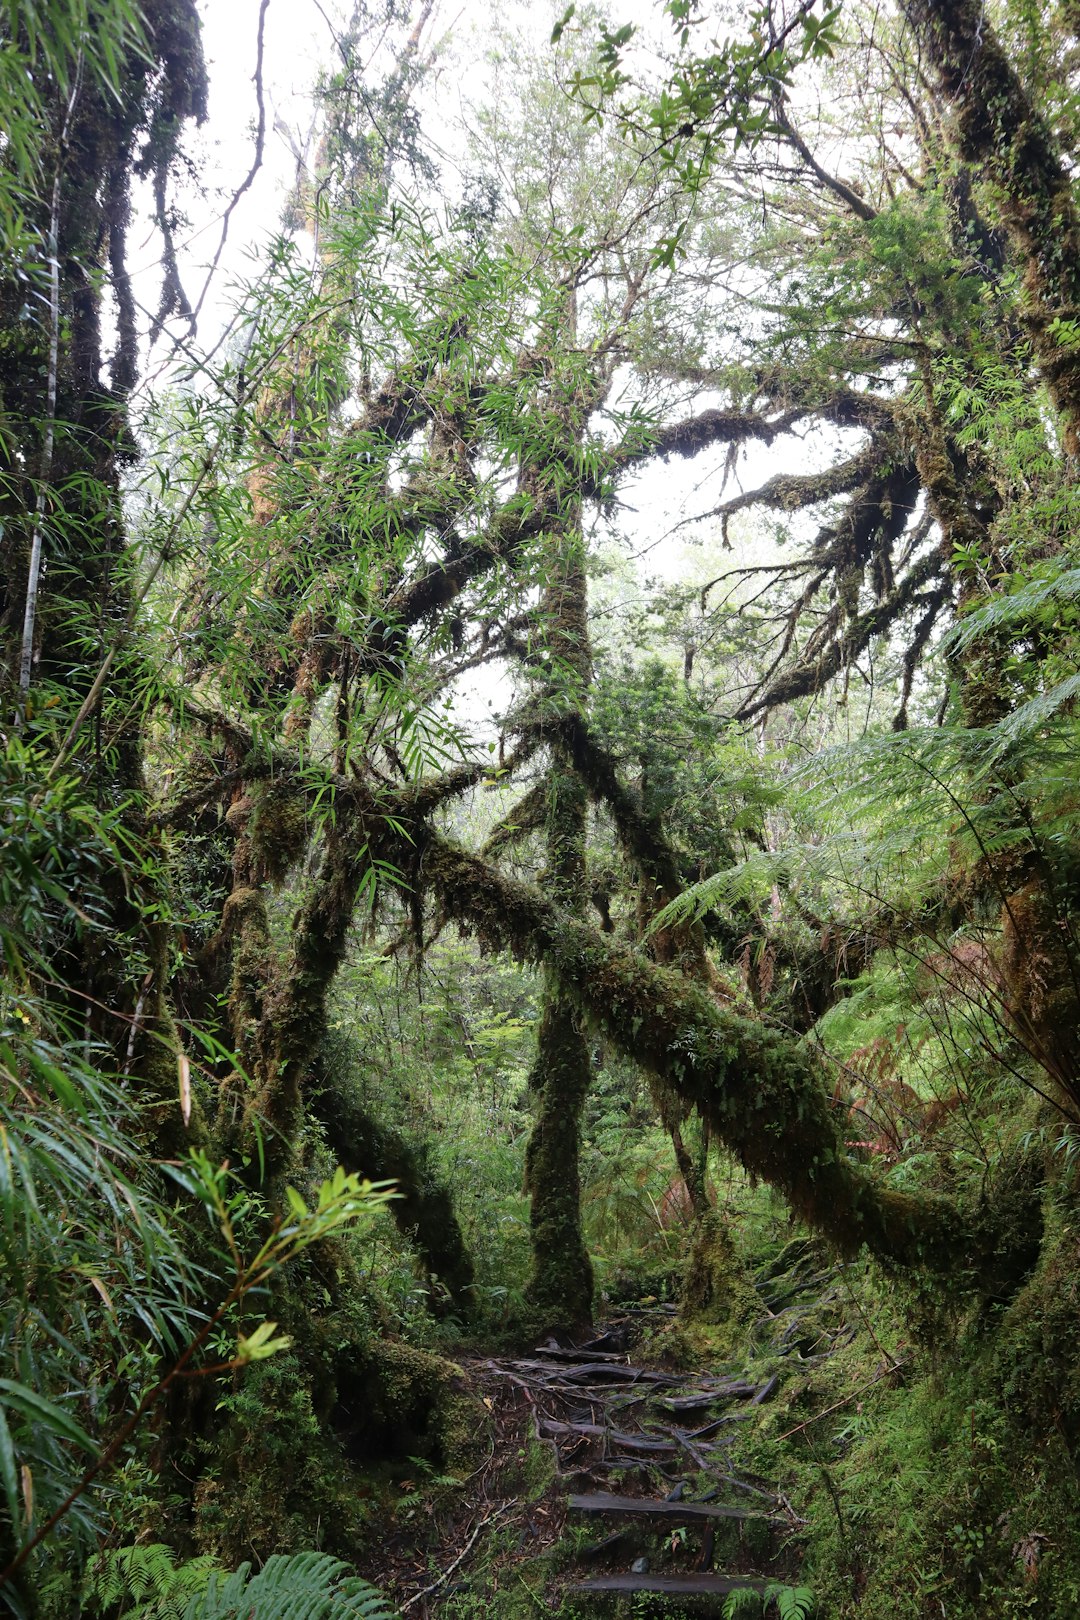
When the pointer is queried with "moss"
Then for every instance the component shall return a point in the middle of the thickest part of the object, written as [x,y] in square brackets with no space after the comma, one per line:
[716,1287]
[762,1094]
[397,1402]
[560,1287]
[957,1492]
[1038,962]
[997,129]
[278,830]
[277,1480]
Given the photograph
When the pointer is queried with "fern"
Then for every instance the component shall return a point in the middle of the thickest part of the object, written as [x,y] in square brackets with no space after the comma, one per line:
[792,1602]
[145,1583]
[743,1604]
[305,1586]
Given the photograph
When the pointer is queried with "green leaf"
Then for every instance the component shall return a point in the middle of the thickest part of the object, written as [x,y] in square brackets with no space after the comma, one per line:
[9,1472]
[557,31]
[262,1344]
[36,1409]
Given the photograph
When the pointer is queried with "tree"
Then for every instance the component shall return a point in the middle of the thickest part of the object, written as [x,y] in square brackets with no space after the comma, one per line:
[393,477]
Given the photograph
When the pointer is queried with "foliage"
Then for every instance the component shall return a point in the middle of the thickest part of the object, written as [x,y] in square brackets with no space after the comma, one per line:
[45,50]
[146,1583]
[255,722]
[792,1602]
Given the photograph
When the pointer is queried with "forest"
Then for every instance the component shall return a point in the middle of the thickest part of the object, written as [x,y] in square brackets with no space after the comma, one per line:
[540,813]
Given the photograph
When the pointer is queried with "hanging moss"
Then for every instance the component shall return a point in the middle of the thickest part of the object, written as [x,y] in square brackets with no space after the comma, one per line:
[278,830]
[998,129]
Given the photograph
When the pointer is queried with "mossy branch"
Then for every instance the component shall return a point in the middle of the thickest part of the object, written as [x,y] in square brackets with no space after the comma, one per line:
[762,1094]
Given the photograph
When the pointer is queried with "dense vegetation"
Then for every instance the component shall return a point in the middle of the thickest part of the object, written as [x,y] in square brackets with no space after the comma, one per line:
[424,930]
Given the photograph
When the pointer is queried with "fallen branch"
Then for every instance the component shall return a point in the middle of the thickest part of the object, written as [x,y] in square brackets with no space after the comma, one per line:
[462,1555]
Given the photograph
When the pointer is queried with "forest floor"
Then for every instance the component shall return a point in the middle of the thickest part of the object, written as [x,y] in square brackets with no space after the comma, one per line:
[617,1468]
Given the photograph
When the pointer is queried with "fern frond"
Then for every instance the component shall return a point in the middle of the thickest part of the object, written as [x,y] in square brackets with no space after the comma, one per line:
[1029,600]
[792,1602]
[302,1586]
[744,1603]
[144,1582]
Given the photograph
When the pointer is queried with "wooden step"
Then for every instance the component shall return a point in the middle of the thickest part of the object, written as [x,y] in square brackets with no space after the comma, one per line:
[703,1585]
[647,1507]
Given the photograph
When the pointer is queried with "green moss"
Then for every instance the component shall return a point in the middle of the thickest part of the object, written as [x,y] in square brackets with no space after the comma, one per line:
[957,1493]
[278,830]
[394,1401]
[561,1284]
[277,1482]
[716,1287]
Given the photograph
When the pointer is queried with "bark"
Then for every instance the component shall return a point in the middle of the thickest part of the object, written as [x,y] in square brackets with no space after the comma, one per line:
[561,1282]
[62,544]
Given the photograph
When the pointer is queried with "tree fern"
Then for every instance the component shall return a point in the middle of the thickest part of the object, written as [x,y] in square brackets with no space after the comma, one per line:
[144,1582]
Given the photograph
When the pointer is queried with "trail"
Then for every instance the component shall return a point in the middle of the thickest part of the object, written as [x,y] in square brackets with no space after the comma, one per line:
[645,1459]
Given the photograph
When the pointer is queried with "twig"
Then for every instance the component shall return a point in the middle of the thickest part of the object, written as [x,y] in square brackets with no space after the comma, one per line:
[256,164]
[896,1366]
[468,1547]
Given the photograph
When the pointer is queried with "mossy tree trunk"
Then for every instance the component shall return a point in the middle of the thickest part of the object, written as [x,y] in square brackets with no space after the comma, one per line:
[64,557]
[561,1282]
[999,130]
[763,1094]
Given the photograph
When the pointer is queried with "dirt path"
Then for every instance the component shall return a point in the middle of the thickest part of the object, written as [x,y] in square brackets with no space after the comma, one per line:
[609,1475]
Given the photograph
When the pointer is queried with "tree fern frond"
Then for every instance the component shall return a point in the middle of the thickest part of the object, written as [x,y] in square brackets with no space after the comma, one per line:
[1034,715]
[1029,600]
[145,1582]
[792,1602]
[744,1603]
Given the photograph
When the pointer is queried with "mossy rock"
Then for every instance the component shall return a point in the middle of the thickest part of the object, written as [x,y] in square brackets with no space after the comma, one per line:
[278,1479]
[396,1402]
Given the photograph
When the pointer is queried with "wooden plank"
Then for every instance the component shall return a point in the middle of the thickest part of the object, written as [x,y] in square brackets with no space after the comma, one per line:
[647,1507]
[694,1585]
